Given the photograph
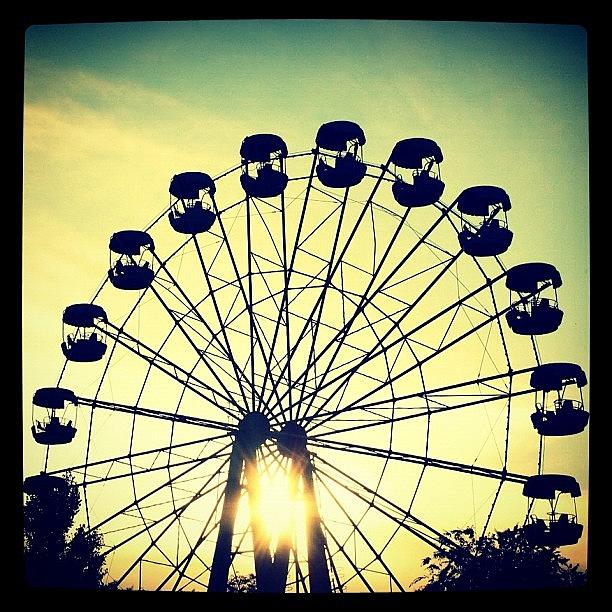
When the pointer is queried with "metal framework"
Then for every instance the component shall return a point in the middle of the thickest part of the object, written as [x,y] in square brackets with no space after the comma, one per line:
[272,402]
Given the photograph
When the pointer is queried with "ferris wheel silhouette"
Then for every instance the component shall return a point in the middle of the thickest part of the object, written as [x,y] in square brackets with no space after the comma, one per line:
[285,365]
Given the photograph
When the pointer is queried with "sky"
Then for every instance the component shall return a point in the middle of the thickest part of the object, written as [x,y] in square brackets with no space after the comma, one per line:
[113,111]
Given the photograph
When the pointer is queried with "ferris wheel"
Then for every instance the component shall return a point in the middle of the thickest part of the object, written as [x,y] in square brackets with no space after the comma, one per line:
[309,368]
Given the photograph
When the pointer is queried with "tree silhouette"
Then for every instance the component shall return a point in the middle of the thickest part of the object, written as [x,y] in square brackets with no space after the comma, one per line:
[242,584]
[504,560]
[54,558]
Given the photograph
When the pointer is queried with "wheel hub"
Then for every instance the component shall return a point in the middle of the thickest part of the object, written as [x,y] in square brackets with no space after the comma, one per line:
[291,441]
[254,429]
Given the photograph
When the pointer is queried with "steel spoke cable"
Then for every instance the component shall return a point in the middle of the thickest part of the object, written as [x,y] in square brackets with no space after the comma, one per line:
[425,413]
[339,259]
[158,488]
[177,322]
[372,329]
[247,302]
[289,270]
[317,312]
[445,464]
[182,567]
[377,555]
[135,409]
[120,458]
[391,420]
[348,558]
[238,373]
[176,514]
[509,404]
[374,354]
[428,539]
[144,470]
[437,540]
[285,300]
[365,299]
[124,339]
[443,349]
[157,521]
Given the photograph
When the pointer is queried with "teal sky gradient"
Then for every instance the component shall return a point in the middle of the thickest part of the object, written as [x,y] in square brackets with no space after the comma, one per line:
[295,62]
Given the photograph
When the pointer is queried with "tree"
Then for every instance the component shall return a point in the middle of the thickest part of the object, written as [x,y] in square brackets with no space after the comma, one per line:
[500,561]
[242,584]
[54,558]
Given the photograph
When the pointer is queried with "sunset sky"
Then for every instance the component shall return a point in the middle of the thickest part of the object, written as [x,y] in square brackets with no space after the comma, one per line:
[113,111]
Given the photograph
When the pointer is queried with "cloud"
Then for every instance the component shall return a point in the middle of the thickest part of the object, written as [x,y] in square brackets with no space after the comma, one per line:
[74,131]
[126,91]
[77,115]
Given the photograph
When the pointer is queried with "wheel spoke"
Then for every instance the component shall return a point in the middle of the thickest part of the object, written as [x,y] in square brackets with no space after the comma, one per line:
[174,478]
[155,414]
[339,546]
[178,322]
[421,414]
[120,458]
[254,331]
[154,358]
[182,567]
[288,271]
[163,531]
[377,555]
[416,526]
[367,298]
[318,310]
[420,362]
[160,520]
[238,372]
[382,348]
[333,266]
[444,464]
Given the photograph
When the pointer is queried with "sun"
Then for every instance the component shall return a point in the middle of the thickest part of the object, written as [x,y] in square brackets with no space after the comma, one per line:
[281,506]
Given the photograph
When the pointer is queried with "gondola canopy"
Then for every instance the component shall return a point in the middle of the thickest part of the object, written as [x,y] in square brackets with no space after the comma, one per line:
[44,484]
[477,200]
[524,278]
[187,185]
[411,152]
[545,486]
[260,147]
[335,135]
[130,242]
[553,376]
[53,397]
[83,315]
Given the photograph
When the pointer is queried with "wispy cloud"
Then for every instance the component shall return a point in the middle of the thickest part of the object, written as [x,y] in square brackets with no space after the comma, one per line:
[120,90]
[73,131]
[77,115]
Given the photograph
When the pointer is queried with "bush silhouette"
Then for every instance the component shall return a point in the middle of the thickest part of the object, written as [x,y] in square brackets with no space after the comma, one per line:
[505,560]
[242,584]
